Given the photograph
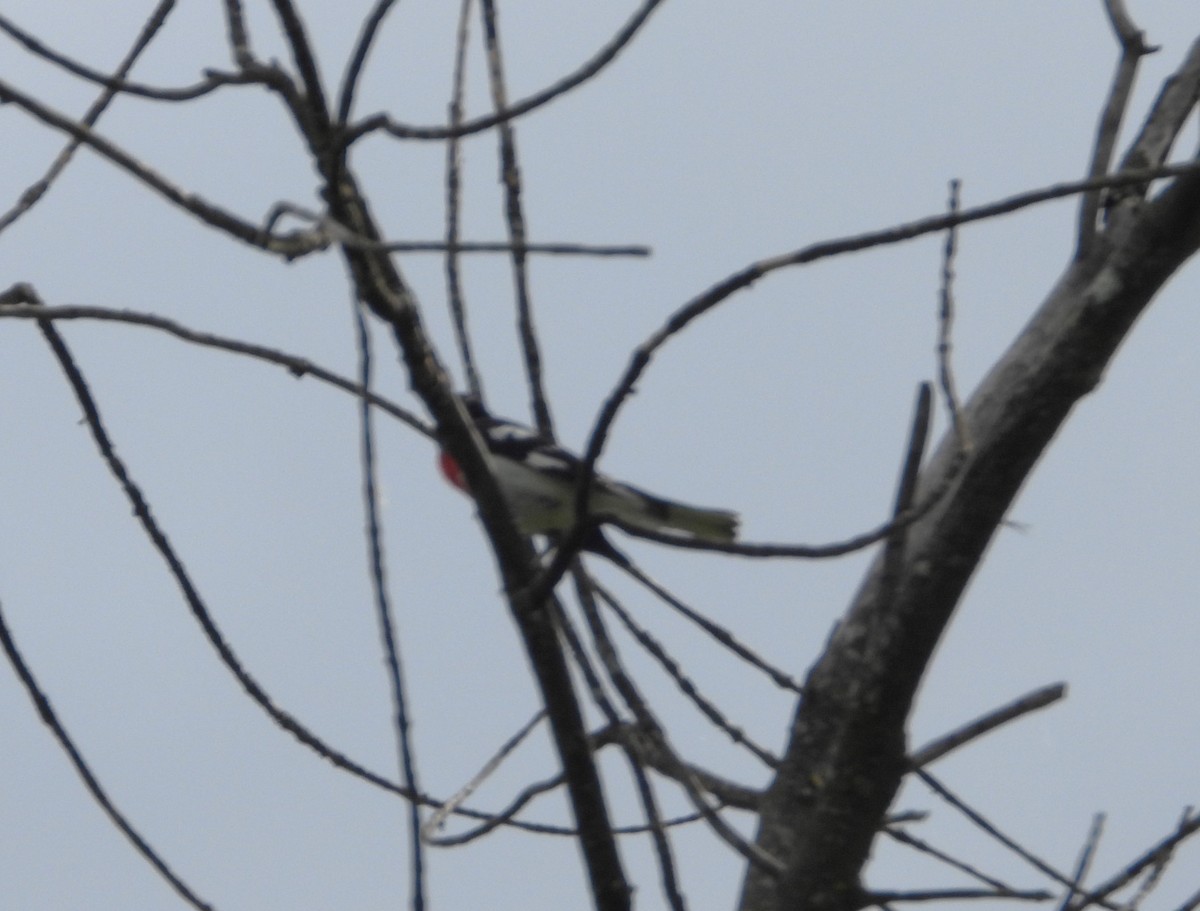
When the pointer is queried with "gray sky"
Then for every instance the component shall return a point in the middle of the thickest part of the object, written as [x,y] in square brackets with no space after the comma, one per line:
[725,133]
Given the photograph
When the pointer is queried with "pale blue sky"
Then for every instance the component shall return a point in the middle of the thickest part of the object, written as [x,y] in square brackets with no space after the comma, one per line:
[725,133]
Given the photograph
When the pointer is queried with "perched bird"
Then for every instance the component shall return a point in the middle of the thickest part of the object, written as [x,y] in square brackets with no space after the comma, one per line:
[537,478]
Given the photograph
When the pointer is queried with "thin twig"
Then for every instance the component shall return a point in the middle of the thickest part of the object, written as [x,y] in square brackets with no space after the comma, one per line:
[179,572]
[239,36]
[686,686]
[1133,48]
[454,292]
[1030,702]
[523,248]
[37,190]
[358,57]
[657,755]
[907,838]
[514,218]
[391,647]
[313,112]
[946,326]
[719,634]
[744,278]
[585,593]
[289,246]
[438,819]
[116,83]
[325,230]
[984,825]
[1191,903]
[649,729]
[1084,863]
[1156,854]
[40,701]
[658,835]
[897,541]
[1154,874]
[298,366]
[941,895]
[602,58]
[492,821]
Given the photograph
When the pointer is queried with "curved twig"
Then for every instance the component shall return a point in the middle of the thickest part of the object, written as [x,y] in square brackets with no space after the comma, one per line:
[298,366]
[50,719]
[744,278]
[358,57]
[36,191]
[289,246]
[116,83]
[603,57]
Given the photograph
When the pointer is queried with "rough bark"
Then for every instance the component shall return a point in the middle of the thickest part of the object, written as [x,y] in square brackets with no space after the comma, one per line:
[846,752]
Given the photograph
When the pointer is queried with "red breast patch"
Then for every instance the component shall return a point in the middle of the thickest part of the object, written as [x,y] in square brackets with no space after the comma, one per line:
[450,470]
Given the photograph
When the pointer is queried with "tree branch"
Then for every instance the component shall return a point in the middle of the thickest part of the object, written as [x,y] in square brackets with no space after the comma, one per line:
[845,757]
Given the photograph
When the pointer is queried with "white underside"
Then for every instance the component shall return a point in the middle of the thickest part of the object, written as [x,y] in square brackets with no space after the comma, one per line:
[543,504]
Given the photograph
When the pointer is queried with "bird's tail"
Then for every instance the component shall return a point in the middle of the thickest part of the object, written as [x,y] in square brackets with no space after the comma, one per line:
[715,525]
[636,511]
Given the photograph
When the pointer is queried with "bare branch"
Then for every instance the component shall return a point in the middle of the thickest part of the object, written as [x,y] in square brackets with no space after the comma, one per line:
[514,217]
[330,231]
[658,834]
[907,838]
[603,57]
[438,819]
[946,326]
[1191,903]
[239,37]
[894,548]
[116,83]
[649,736]
[1154,874]
[743,279]
[383,289]
[1133,48]
[466,246]
[1158,854]
[721,635]
[454,294]
[287,245]
[987,827]
[585,592]
[391,647]
[686,686]
[1167,115]
[1083,865]
[941,895]
[178,571]
[358,57]
[658,755]
[1166,118]
[312,113]
[298,366]
[40,701]
[1030,702]
[36,191]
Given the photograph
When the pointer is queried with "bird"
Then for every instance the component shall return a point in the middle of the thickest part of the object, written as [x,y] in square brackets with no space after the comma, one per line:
[538,478]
